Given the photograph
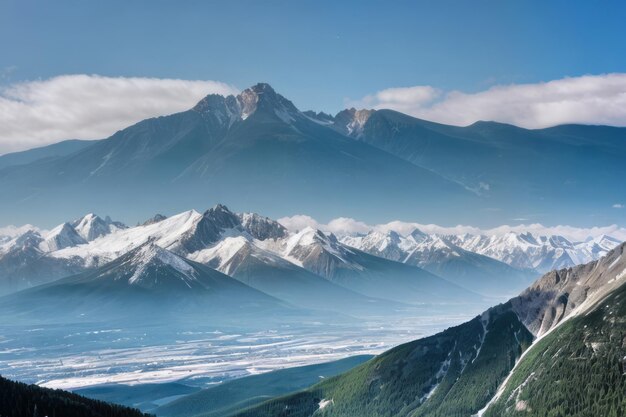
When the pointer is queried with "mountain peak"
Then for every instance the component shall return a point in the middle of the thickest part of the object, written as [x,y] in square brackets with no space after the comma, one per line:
[260,88]
[351,121]
[218,211]
[226,110]
[418,236]
[262,97]
[29,239]
[261,227]
[63,236]
[220,217]
[92,226]
[150,256]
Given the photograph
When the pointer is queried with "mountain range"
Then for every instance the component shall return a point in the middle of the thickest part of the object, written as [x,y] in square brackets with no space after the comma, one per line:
[146,282]
[257,150]
[308,268]
[556,349]
[492,265]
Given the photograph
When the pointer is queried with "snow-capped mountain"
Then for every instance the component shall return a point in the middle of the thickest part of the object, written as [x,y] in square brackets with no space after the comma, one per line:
[309,267]
[153,266]
[324,255]
[146,282]
[80,231]
[522,251]
[440,256]
[91,226]
[26,258]
[542,253]
[389,245]
[264,254]
[24,263]
[62,236]
[243,259]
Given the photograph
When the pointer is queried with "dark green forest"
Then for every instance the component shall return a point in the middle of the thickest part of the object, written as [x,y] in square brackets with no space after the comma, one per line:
[575,371]
[23,400]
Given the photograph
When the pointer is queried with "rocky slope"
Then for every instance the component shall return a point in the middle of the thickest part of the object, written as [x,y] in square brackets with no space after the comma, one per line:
[556,349]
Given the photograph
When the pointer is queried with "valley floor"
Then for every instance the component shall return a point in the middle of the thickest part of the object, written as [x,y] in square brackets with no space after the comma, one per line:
[83,355]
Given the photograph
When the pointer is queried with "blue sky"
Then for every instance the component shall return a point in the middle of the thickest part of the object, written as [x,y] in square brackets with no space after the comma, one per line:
[318,53]
[85,69]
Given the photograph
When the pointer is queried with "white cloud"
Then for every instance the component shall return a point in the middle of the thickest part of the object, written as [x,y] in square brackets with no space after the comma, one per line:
[347,226]
[13,231]
[401,99]
[590,99]
[299,222]
[37,113]
[618,206]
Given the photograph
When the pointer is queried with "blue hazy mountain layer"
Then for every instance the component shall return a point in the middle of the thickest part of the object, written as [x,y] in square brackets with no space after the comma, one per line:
[55,150]
[258,152]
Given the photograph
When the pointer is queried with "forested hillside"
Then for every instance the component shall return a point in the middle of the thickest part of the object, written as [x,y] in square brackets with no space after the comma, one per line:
[575,371]
[453,373]
[22,400]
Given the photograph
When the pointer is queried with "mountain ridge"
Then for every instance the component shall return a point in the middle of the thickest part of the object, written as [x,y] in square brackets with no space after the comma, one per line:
[232,148]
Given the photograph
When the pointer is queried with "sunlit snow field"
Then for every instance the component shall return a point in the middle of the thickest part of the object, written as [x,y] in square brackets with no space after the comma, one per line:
[86,355]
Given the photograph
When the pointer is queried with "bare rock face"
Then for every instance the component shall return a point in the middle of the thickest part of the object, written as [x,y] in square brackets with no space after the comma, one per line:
[261,227]
[570,291]
[351,122]
[209,228]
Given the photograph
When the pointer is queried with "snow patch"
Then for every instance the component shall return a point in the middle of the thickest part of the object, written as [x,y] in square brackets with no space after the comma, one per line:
[325,403]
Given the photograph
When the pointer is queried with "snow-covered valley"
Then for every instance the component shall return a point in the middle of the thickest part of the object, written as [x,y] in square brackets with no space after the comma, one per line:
[81,355]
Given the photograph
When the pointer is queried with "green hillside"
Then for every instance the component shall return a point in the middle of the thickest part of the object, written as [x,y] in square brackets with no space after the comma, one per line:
[453,373]
[575,371]
[225,399]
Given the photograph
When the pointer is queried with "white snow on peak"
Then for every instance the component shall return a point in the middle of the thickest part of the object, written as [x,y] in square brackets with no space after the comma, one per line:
[91,226]
[305,237]
[298,246]
[61,237]
[166,234]
[150,254]
[544,253]
[520,250]
[309,237]
[223,252]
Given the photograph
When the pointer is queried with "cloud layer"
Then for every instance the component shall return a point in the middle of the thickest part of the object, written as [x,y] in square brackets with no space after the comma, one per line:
[348,226]
[38,113]
[591,99]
